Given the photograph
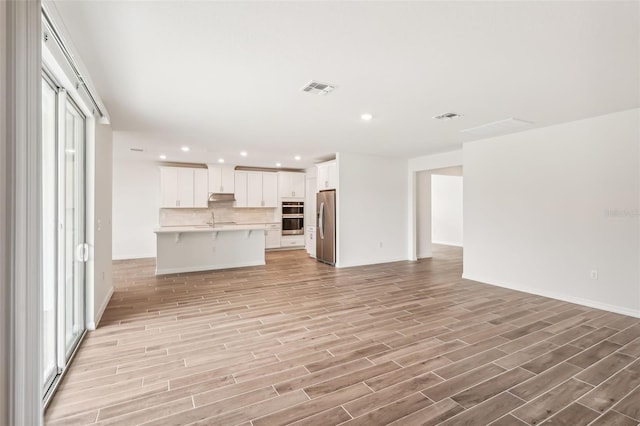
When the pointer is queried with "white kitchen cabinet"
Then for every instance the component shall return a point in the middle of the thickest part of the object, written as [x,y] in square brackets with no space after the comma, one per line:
[177,187]
[269,190]
[310,243]
[221,179]
[200,188]
[256,189]
[327,175]
[292,241]
[273,233]
[291,184]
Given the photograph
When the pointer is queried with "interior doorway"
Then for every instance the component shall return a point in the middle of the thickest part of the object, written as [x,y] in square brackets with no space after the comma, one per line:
[438,209]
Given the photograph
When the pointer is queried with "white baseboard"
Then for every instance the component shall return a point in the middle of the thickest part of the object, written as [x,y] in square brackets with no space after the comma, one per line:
[375,262]
[447,243]
[94,324]
[558,296]
[132,256]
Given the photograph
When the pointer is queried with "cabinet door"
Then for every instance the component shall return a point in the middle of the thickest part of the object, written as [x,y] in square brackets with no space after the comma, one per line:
[332,175]
[168,187]
[200,188]
[272,238]
[297,184]
[185,187]
[221,179]
[241,192]
[269,190]
[215,180]
[284,184]
[227,180]
[254,189]
[323,177]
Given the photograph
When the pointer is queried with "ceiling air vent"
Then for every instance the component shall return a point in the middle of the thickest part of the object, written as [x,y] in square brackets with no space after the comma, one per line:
[318,88]
[447,116]
[498,127]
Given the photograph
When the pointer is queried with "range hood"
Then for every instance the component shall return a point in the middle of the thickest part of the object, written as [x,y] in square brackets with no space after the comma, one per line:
[218,197]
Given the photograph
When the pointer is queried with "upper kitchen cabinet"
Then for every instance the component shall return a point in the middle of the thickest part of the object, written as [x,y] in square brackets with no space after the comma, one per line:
[291,184]
[200,188]
[256,189]
[183,187]
[221,179]
[327,175]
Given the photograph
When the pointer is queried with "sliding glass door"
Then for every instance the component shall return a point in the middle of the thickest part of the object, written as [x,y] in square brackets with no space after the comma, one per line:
[63,222]
[72,226]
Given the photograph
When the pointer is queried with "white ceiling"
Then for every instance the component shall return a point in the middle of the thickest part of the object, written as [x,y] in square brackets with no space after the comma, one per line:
[222,77]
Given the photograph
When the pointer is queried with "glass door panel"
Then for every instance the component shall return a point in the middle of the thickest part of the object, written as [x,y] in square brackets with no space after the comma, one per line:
[75,249]
[49,232]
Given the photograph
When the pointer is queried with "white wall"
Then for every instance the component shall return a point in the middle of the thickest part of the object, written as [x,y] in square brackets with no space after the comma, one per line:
[136,200]
[423,214]
[372,209]
[543,208]
[102,244]
[446,210]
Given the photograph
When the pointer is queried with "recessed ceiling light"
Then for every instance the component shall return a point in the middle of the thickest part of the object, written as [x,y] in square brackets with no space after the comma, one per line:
[297,158]
[185,148]
[278,165]
[244,153]
[220,160]
[367,117]
[163,157]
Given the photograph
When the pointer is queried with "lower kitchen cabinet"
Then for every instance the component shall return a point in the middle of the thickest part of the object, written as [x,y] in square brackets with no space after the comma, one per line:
[310,245]
[292,241]
[273,234]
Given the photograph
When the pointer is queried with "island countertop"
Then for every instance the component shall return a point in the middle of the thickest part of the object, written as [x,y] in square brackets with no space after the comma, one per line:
[207,228]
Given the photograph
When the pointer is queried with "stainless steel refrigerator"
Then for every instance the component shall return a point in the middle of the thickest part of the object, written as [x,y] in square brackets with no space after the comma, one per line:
[326,227]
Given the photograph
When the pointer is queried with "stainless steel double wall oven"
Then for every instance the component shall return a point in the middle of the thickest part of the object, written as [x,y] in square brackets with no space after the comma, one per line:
[292,218]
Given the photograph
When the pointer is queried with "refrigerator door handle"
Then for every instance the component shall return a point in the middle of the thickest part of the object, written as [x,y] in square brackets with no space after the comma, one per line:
[321,220]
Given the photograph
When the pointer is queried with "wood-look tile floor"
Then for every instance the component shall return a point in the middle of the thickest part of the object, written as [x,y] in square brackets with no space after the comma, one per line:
[299,342]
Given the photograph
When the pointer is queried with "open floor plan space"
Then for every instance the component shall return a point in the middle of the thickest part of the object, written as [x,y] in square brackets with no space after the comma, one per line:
[299,342]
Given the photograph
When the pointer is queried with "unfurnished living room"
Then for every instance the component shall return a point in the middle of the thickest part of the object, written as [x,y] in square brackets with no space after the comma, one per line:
[263,213]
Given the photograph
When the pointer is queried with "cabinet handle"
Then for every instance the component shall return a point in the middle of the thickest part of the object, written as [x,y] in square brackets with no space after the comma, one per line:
[221,188]
[293,193]
[177,203]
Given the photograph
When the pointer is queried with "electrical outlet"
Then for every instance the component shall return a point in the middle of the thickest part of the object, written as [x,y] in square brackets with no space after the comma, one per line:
[594,274]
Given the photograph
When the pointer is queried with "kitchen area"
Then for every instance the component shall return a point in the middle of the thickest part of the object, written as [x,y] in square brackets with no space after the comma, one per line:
[219,216]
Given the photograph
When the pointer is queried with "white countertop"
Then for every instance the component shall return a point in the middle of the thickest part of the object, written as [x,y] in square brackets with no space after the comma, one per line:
[203,228]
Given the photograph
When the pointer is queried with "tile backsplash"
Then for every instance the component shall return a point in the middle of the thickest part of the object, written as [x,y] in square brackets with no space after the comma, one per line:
[223,212]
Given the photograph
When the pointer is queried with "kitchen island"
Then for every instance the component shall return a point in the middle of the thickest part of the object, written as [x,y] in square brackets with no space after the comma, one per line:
[204,248]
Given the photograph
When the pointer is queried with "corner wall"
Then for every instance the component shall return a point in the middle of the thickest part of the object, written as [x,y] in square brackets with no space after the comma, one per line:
[371,209]
[136,202]
[544,208]
[102,229]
